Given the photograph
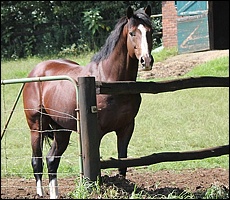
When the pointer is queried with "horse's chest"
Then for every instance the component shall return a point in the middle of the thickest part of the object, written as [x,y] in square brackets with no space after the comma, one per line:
[117,111]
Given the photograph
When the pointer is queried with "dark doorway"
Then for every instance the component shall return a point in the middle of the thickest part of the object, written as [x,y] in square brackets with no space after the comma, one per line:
[219,31]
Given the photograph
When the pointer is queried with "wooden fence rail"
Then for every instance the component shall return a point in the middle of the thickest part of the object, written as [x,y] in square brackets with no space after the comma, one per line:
[131,87]
[165,157]
[90,153]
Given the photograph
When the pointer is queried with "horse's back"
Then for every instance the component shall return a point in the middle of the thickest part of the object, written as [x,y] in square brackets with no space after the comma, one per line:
[54,68]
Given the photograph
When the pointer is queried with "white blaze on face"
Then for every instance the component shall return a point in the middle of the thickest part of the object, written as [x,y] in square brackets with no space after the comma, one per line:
[144,44]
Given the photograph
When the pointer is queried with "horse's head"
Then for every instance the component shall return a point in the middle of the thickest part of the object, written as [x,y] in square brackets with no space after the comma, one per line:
[139,36]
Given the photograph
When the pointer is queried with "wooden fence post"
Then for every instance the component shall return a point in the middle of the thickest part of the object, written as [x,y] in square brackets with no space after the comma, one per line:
[89,128]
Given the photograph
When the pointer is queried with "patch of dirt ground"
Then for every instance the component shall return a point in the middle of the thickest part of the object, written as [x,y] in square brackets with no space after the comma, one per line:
[181,64]
[159,183]
[155,183]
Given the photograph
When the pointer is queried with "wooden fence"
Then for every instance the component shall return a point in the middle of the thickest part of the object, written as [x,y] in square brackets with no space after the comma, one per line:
[88,112]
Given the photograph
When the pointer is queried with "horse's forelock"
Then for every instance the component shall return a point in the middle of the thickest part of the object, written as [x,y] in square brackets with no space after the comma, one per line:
[141,15]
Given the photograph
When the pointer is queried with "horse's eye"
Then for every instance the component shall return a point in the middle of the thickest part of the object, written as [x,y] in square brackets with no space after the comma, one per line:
[132,33]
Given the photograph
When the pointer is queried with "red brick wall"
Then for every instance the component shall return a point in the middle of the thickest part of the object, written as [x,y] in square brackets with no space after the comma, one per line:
[169,24]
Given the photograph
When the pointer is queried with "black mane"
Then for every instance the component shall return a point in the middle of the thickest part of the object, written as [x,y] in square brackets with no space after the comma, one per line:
[110,42]
[114,36]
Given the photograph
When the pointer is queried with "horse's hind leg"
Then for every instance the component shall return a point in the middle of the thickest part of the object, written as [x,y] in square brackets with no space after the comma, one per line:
[38,124]
[36,161]
[59,145]
[37,146]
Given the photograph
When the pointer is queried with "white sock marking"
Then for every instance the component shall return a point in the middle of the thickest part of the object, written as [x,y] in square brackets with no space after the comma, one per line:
[40,191]
[53,189]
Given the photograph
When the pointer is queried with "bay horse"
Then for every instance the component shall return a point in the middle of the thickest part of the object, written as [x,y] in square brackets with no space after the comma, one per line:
[49,104]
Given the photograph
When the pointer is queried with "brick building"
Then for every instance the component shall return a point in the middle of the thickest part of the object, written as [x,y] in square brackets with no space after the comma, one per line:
[195,25]
[169,24]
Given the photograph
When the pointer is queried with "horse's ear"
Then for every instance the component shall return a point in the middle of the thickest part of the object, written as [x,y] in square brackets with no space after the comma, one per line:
[148,10]
[129,12]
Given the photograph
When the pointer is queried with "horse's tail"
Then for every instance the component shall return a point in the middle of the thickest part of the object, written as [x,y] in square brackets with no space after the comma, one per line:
[49,136]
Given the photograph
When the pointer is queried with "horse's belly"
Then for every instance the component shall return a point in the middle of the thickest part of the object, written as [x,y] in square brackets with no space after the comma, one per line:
[115,112]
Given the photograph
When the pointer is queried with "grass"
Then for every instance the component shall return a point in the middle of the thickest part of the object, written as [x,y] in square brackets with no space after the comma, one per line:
[217,67]
[88,190]
[164,54]
[175,121]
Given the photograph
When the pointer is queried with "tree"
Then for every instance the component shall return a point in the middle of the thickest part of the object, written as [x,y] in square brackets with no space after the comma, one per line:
[45,28]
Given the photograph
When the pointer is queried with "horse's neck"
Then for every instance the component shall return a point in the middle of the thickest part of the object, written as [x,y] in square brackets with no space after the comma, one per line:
[119,66]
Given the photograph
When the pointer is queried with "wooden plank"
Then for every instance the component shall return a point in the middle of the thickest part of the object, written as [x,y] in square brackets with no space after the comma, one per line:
[132,87]
[193,33]
[192,26]
[185,8]
[165,157]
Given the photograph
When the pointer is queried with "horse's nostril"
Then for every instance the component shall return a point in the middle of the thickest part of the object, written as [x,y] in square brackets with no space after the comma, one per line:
[142,61]
[152,60]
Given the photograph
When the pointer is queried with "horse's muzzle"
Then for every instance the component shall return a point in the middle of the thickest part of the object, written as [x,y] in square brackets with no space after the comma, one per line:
[146,62]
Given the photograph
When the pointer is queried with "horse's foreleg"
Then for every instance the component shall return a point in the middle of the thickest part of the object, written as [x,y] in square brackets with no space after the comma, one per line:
[59,145]
[123,137]
[36,161]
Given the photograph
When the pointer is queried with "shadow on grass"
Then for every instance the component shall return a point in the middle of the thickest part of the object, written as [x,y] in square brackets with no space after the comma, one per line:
[125,189]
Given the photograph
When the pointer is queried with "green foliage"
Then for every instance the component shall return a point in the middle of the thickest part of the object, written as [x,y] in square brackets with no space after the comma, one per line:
[84,189]
[45,28]
[216,192]
[93,20]
[19,24]
[93,190]
[157,28]
[74,50]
